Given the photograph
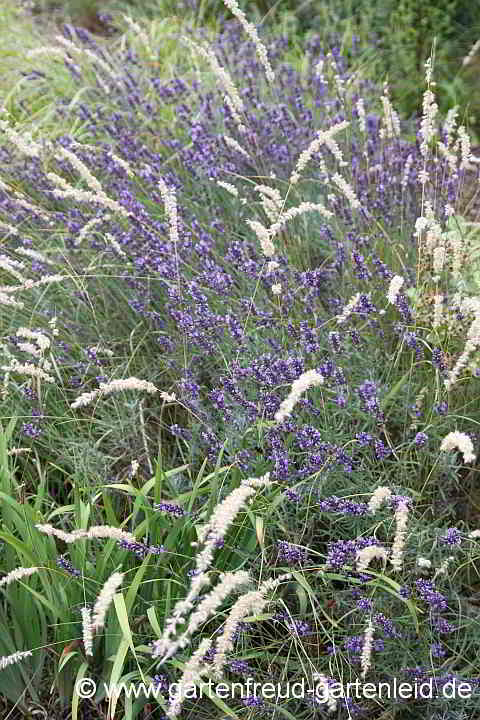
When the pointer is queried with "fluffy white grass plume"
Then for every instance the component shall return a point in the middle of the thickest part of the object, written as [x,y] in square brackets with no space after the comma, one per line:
[87,630]
[122,163]
[17,574]
[450,124]
[362,122]
[366,656]
[430,110]
[294,212]
[81,169]
[191,675]
[271,266]
[394,288]
[208,536]
[48,529]
[19,451]
[421,224]
[214,531]
[64,190]
[109,533]
[253,35]
[7,660]
[263,236]
[47,51]
[115,244]
[139,33]
[437,310]
[451,158]
[28,369]
[474,534]
[323,137]
[234,145]
[308,379]
[114,386]
[423,177]
[228,187]
[459,441]
[228,583]
[322,690]
[271,201]
[87,228]
[379,496]
[271,193]
[29,284]
[92,56]
[22,141]
[226,511]
[13,267]
[11,302]
[104,600]
[458,247]
[332,145]
[465,149]
[232,97]
[348,309]
[9,229]
[347,190]
[95,532]
[401,520]
[391,122]
[369,553]
[170,201]
[473,342]
[250,603]
[42,340]
[424,563]
[29,348]
[168,397]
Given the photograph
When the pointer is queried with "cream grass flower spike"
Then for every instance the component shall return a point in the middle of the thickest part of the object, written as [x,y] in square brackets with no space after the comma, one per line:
[401,519]
[104,600]
[380,495]
[459,441]
[252,33]
[394,288]
[308,379]
[114,386]
[17,574]
[368,554]
[366,656]
[7,660]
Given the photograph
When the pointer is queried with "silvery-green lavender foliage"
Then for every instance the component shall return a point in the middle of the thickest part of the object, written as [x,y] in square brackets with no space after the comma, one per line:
[224,307]
[345,267]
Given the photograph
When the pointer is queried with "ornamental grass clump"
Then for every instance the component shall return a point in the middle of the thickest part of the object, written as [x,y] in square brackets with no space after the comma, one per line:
[281,268]
[210,537]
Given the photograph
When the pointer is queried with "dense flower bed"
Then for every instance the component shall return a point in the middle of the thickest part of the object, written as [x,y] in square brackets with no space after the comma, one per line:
[278,271]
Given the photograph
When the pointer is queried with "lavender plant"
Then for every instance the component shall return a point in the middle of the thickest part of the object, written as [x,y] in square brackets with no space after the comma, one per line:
[253,266]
